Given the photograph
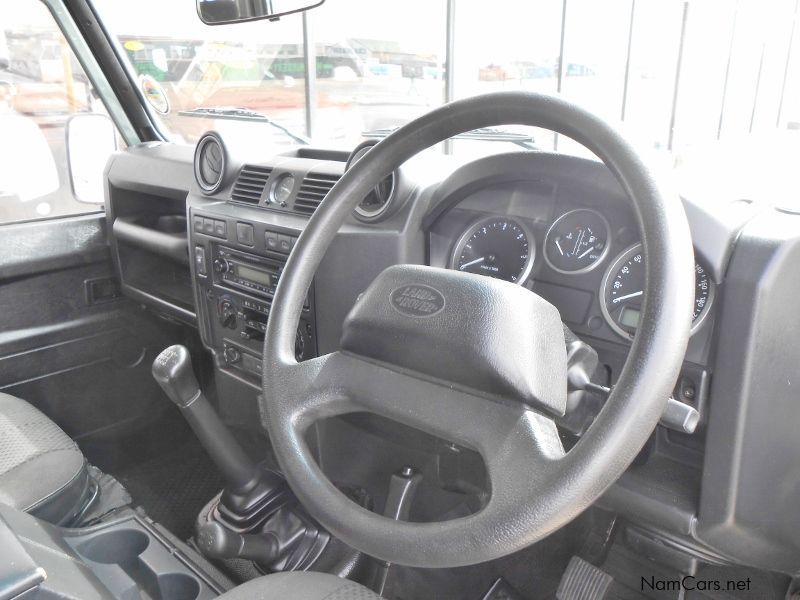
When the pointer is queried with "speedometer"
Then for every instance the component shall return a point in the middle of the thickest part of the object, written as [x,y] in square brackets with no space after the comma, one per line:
[498,247]
[623,288]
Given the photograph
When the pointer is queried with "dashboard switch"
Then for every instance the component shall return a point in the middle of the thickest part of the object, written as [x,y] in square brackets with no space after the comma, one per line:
[200,260]
[227,314]
[244,234]
[284,243]
[272,241]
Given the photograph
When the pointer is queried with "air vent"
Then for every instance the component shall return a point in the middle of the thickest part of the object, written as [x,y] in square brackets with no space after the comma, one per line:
[250,184]
[210,162]
[313,190]
[377,203]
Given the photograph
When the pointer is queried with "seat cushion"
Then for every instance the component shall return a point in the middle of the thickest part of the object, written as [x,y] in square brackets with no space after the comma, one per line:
[300,586]
[42,471]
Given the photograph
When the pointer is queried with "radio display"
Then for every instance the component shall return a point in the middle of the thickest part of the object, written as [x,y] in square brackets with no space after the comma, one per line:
[254,275]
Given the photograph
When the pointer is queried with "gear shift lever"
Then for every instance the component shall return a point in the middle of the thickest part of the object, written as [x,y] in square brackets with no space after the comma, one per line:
[256,516]
[251,491]
[172,369]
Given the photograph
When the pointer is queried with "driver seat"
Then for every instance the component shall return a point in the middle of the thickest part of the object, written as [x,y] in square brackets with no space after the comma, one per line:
[300,586]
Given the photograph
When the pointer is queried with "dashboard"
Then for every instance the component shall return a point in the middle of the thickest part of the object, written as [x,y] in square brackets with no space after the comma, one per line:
[207,246]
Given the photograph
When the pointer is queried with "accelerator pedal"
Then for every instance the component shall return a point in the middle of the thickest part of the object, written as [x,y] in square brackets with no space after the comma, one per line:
[583,581]
[502,590]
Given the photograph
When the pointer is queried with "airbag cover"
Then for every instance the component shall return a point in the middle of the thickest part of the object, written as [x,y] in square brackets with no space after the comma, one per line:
[480,333]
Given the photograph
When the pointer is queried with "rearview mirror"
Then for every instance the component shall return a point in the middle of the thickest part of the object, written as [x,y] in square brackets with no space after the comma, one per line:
[219,12]
[90,141]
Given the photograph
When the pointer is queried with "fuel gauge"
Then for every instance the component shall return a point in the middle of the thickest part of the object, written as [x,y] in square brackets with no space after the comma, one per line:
[577,241]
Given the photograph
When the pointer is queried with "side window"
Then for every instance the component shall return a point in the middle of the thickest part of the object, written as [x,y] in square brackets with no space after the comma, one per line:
[43,93]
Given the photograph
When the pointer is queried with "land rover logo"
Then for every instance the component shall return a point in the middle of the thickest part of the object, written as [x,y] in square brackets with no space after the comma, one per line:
[417,300]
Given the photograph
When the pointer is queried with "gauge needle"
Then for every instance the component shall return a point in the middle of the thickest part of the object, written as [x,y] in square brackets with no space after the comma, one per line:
[472,262]
[558,245]
[626,296]
[587,252]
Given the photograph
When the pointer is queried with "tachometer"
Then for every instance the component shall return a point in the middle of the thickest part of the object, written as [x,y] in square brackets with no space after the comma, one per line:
[623,287]
[577,241]
[498,247]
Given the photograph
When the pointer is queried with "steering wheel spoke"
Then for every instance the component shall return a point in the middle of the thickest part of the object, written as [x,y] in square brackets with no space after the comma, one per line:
[501,432]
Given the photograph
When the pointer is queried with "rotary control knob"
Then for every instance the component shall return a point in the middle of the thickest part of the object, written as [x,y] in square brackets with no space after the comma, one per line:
[227,314]
[232,355]
[221,265]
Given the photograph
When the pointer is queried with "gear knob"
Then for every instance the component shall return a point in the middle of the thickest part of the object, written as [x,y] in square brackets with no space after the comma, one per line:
[172,369]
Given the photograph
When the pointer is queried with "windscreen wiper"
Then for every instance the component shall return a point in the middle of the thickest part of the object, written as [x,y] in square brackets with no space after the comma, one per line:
[486,134]
[242,114]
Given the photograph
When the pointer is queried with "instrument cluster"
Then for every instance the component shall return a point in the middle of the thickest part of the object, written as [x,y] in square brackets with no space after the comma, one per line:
[576,243]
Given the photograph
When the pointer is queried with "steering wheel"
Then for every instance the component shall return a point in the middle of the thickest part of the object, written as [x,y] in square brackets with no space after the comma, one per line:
[441,351]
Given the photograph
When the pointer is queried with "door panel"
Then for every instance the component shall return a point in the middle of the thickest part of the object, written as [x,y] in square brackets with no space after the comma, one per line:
[68,344]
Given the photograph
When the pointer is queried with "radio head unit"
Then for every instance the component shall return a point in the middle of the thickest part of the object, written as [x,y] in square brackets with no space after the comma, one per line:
[254,274]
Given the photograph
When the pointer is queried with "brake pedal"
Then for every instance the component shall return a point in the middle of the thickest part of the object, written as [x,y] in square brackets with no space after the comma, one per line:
[583,581]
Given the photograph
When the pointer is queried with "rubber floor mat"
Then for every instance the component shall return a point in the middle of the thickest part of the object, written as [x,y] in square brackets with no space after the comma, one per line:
[173,486]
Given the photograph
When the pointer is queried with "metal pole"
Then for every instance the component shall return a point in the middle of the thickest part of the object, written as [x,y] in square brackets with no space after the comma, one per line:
[628,62]
[562,68]
[450,52]
[678,68]
[69,80]
[758,86]
[788,63]
[310,79]
[727,70]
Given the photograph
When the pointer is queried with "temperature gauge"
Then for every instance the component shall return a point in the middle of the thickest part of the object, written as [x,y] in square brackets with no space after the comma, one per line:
[577,241]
